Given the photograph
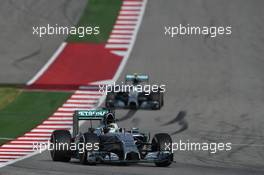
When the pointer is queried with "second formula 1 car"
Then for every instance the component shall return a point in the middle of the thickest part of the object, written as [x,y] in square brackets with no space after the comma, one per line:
[133,96]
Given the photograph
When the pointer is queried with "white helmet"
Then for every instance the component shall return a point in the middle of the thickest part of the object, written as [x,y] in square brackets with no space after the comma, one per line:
[112,127]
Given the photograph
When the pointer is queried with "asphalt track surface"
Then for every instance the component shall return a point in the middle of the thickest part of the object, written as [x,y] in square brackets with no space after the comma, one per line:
[24,54]
[217,82]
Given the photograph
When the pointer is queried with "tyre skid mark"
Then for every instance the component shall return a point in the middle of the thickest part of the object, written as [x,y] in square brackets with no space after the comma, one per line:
[180,120]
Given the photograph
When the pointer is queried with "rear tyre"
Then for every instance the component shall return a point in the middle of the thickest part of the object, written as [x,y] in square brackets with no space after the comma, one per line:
[91,139]
[159,143]
[61,140]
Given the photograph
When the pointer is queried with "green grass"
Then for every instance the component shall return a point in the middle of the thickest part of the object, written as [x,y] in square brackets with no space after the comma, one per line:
[28,110]
[102,13]
[20,111]
[7,95]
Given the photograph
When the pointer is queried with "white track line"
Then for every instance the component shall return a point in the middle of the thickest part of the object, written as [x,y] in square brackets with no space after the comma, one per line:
[4,160]
[131,3]
[112,46]
[126,22]
[114,36]
[119,53]
[17,146]
[42,130]
[81,101]
[32,138]
[124,27]
[15,153]
[37,134]
[62,114]
[46,66]
[26,142]
[9,156]
[131,8]
[122,31]
[22,150]
[87,92]
[118,41]
[57,122]
[60,118]
[71,109]
[127,12]
[127,17]
[53,127]
[77,105]
[85,96]
[124,60]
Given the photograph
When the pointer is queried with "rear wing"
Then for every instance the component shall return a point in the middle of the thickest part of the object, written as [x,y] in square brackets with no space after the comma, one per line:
[91,114]
[137,77]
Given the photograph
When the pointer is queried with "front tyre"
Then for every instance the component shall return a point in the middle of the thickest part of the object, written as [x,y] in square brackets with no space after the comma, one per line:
[156,97]
[61,140]
[91,139]
[162,98]
[159,143]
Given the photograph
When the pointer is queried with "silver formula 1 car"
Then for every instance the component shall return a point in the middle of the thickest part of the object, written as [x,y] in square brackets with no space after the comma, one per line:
[108,143]
[134,95]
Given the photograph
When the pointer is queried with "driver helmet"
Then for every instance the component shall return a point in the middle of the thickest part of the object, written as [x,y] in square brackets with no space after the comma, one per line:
[135,81]
[112,127]
[109,118]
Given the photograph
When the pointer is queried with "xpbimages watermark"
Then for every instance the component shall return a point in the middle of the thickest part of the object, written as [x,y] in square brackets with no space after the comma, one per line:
[80,147]
[79,31]
[189,30]
[211,147]
[140,88]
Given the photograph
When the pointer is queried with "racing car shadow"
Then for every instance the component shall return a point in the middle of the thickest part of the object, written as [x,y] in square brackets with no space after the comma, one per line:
[128,115]
[77,162]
